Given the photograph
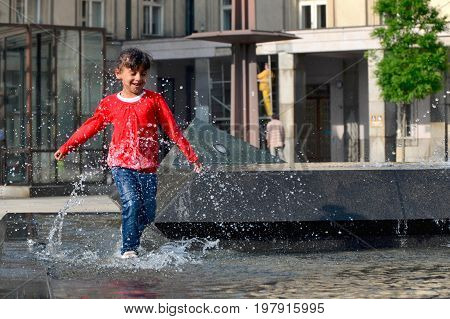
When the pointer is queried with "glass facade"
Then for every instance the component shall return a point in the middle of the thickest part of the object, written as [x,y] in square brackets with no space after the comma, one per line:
[52,80]
[15,109]
[43,119]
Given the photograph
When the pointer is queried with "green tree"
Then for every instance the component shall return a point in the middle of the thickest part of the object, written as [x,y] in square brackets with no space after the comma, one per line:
[414,60]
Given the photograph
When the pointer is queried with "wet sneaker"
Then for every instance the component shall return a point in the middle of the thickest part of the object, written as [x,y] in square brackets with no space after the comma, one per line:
[129,254]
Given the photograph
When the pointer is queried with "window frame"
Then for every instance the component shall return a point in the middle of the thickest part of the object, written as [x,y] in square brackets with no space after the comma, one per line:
[151,4]
[20,14]
[88,18]
[313,4]
[223,8]
[23,15]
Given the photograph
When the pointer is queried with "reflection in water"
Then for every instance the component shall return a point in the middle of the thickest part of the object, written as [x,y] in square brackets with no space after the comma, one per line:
[88,266]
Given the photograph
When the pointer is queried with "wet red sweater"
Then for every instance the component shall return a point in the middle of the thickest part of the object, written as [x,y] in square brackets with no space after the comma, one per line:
[134,142]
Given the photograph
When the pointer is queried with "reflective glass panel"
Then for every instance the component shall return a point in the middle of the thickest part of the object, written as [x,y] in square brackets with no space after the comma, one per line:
[68,89]
[16,168]
[69,169]
[43,167]
[68,84]
[93,166]
[91,79]
[156,20]
[42,101]
[15,108]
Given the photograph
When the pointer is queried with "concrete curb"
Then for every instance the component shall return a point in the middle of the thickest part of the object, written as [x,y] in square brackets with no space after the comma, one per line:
[14,192]
[82,204]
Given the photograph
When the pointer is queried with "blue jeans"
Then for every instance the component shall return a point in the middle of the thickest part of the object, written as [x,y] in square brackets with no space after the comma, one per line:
[138,195]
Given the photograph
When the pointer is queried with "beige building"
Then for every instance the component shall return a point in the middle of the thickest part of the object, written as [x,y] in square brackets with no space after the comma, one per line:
[323,86]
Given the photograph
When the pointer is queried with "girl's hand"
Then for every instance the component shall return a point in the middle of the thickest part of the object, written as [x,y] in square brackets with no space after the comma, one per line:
[58,155]
[198,167]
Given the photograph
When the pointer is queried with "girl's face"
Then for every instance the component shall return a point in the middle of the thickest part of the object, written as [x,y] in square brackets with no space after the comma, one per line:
[133,81]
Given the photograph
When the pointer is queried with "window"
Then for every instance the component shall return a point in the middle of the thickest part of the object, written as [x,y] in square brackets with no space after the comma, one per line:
[321,16]
[313,14]
[27,11]
[190,16]
[306,17]
[20,11]
[153,17]
[225,16]
[92,13]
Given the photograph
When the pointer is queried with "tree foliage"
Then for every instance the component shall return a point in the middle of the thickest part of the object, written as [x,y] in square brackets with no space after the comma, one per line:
[414,59]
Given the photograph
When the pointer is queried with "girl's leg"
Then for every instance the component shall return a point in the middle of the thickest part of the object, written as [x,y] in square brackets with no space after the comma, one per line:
[127,183]
[148,185]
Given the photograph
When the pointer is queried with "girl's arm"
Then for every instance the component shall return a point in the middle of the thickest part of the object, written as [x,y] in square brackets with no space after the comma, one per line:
[92,126]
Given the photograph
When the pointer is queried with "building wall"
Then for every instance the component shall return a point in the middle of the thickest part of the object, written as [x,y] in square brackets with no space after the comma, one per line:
[4,12]
[443,7]
[200,23]
[350,13]
[119,23]
[180,18]
[65,12]
[136,18]
[110,16]
[213,20]
[290,15]
[273,21]
[270,15]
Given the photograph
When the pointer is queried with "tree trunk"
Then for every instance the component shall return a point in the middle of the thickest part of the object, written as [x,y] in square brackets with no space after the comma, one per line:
[403,107]
[446,133]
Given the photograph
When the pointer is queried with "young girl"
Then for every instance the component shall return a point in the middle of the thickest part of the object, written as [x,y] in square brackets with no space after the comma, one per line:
[133,153]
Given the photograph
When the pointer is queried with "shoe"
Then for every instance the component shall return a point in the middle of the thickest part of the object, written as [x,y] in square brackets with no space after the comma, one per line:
[129,254]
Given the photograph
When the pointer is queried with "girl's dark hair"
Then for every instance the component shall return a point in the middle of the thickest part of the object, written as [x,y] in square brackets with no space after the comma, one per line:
[134,59]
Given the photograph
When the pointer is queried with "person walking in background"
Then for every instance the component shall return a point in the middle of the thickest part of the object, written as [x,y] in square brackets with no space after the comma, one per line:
[135,114]
[275,137]
[264,79]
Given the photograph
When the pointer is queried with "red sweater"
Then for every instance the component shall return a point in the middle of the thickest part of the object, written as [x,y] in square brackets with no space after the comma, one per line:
[134,142]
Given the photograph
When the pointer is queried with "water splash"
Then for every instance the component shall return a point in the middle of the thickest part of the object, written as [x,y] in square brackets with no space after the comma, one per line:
[170,256]
[402,227]
[75,199]
[402,232]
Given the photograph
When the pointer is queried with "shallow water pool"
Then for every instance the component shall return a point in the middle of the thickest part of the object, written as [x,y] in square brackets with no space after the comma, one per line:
[82,261]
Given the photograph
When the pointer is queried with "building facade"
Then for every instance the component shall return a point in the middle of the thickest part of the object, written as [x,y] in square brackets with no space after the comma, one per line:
[323,87]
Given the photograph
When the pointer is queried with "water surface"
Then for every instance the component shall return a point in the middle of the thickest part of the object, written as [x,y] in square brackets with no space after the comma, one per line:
[86,264]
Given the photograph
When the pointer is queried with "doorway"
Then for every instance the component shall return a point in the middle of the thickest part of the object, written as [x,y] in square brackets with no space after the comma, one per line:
[315,125]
